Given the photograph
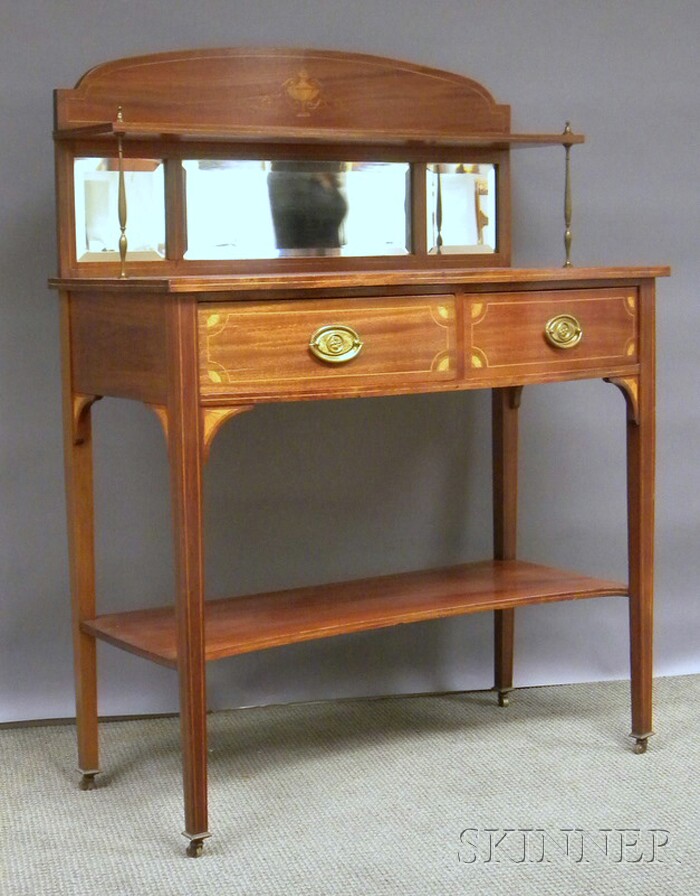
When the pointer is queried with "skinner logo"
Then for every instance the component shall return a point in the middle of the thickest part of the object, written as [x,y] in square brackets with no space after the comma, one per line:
[544,846]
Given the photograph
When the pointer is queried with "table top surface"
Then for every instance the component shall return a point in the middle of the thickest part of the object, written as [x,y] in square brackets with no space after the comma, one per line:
[359,278]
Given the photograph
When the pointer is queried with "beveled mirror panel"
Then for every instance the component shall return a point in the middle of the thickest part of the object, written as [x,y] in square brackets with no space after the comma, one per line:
[97,231]
[244,209]
[461,208]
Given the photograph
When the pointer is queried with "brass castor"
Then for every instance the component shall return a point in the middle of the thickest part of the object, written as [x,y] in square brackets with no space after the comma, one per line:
[503,698]
[640,745]
[87,782]
[195,849]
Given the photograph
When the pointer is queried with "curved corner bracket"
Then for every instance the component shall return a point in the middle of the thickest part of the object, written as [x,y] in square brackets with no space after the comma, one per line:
[212,421]
[81,415]
[629,386]
[161,413]
[515,394]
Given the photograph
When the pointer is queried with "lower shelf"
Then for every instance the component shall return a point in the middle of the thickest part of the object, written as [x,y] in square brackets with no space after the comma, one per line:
[244,624]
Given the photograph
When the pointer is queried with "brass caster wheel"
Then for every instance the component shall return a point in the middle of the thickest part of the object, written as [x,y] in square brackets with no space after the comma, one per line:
[87,782]
[640,745]
[195,849]
[503,699]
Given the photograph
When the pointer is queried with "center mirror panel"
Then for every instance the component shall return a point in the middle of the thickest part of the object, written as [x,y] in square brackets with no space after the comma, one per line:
[242,209]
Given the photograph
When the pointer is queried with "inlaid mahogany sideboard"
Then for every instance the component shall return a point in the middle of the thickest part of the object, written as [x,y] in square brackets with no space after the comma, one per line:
[239,227]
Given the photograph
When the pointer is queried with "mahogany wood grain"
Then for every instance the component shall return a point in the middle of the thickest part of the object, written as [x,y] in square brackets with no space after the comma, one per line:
[77,437]
[504,236]
[179,150]
[504,413]
[508,331]
[281,94]
[166,331]
[419,209]
[185,449]
[262,348]
[175,219]
[166,268]
[629,388]
[640,490]
[148,131]
[315,391]
[259,351]
[243,624]
[295,284]
[65,208]
[118,345]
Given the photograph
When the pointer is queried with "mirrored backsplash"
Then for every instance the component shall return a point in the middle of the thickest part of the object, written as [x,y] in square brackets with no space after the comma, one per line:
[255,209]
[97,231]
[461,214]
[260,209]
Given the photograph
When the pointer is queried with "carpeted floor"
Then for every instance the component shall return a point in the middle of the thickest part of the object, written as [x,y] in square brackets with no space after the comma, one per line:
[421,795]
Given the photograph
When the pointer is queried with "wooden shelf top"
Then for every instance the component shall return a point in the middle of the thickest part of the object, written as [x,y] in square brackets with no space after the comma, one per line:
[244,624]
[290,281]
[172,131]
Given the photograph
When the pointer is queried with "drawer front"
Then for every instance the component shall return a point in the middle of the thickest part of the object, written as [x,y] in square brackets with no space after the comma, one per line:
[567,329]
[325,346]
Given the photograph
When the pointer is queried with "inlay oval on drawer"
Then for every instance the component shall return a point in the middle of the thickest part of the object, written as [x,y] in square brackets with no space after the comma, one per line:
[323,346]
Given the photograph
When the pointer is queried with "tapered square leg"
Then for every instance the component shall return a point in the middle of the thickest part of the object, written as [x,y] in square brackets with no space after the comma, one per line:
[77,439]
[504,641]
[186,462]
[640,486]
[639,393]
[505,406]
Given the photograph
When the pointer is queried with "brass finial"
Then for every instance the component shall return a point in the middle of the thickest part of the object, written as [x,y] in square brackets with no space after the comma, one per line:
[120,113]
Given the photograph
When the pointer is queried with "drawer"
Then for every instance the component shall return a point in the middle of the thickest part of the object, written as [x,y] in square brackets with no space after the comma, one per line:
[328,346]
[572,329]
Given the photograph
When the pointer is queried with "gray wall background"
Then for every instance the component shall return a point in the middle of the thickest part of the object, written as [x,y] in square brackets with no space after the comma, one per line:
[299,494]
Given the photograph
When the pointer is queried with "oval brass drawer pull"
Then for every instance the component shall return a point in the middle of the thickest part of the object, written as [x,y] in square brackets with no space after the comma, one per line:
[563,331]
[335,344]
